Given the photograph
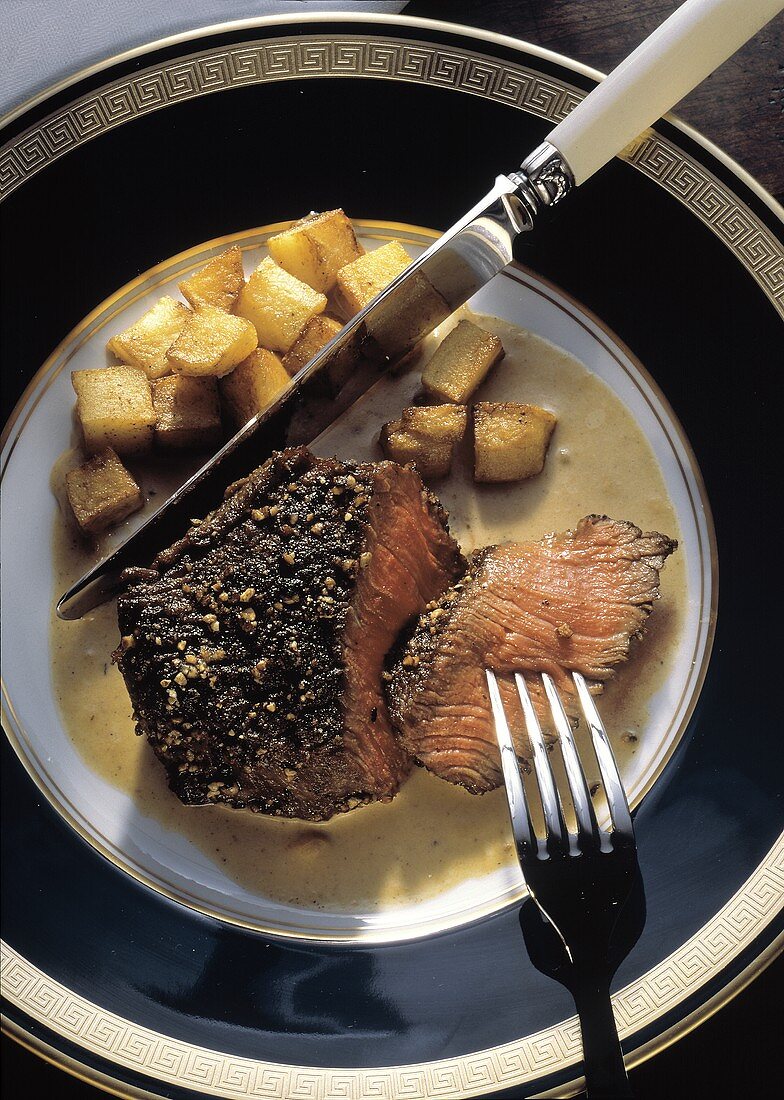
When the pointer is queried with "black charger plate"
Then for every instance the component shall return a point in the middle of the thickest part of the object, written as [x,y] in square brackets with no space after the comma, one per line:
[676,250]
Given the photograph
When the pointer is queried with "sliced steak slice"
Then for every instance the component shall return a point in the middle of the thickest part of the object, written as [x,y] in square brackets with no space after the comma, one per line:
[570,602]
[253,649]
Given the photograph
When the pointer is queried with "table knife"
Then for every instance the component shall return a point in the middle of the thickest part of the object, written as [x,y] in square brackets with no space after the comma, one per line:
[689,45]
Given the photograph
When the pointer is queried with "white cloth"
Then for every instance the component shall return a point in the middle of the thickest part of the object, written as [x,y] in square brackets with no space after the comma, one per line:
[45,41]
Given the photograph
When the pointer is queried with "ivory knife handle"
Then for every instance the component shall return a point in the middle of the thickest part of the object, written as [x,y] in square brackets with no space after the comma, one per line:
[680,53]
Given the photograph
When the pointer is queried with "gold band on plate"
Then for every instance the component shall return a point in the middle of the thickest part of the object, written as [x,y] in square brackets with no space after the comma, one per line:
[193,258]
[172,1061]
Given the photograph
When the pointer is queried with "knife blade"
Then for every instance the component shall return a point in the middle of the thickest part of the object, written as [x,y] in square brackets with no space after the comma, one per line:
[432,287]
[680,53]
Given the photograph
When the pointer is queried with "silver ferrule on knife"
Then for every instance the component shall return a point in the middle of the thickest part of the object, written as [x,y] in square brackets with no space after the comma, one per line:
[544,177]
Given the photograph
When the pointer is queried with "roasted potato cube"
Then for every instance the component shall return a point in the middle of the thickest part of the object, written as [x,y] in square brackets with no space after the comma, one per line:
[102,492]
[460,362]
[315,248]
[315,335]
[440,423]
[213,342]
[217,284]
[361,280]
[510,440]
[146,342]
[431,460]
[253,385]
[114,407]
[278,305]
[187,412]
[426,436]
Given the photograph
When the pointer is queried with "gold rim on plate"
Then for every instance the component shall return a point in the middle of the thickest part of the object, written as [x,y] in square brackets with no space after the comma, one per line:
[182,264]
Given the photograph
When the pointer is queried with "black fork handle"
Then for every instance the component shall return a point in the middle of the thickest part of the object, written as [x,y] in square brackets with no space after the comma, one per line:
[605,1072]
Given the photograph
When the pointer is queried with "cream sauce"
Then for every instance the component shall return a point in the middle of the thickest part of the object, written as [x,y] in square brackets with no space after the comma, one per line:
[433,835]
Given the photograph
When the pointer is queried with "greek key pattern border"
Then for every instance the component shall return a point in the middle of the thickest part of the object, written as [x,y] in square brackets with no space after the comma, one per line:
[172,1061]
[390,59]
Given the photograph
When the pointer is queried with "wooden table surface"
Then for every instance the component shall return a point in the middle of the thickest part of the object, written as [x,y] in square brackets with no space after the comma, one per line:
[740,107]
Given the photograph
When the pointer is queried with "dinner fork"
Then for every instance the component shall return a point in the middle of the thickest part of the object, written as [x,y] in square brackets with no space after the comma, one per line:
[579,880]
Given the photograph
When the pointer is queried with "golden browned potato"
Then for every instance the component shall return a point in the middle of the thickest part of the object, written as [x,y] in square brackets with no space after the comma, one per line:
[360,281]
[253,385]
[441,423]
[102,492]
[315,248]
[217,284]
[146,342]
[114,407]
[213,342]
[426,436]
[278,305]
[431,460]
[187,412]
[510,440]
[315,335]
[461,362]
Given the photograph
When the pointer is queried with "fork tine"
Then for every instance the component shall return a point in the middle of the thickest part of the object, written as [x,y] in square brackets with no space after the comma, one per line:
[583,807]
[522,827]
[616,795]
[556,829]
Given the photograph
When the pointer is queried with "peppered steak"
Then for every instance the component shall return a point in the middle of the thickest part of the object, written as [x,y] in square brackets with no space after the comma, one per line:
[253,648]
[570,602]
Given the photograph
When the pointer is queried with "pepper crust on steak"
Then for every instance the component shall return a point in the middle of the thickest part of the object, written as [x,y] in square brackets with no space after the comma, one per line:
[253,648]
